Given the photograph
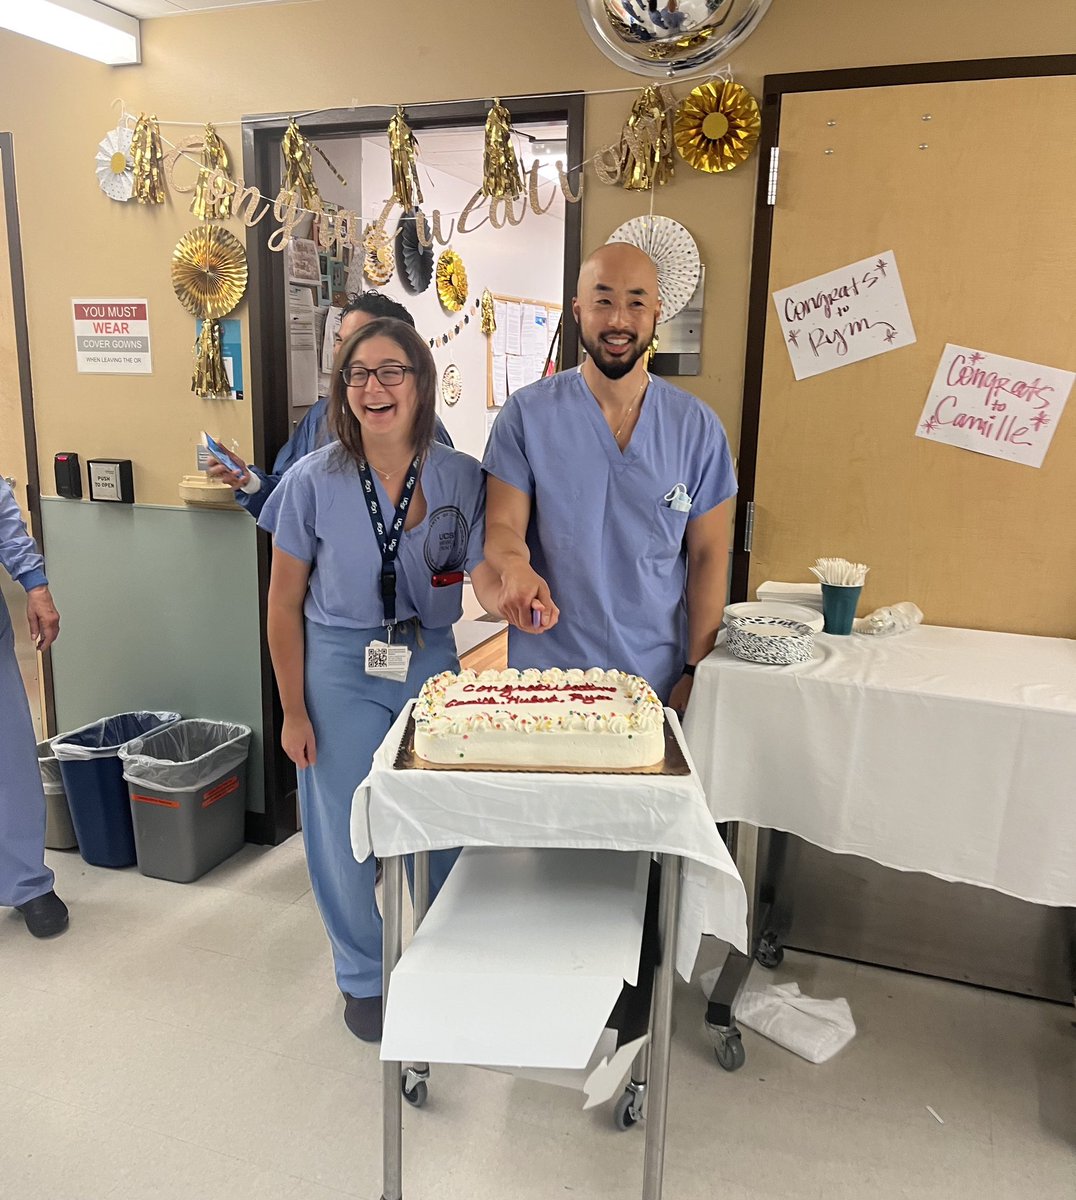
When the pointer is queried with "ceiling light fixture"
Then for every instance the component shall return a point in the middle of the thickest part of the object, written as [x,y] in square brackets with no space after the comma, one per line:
[81,26]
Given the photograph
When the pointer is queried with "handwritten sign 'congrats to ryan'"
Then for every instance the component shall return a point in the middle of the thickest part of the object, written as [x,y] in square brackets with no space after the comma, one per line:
[845,316]
[999,406]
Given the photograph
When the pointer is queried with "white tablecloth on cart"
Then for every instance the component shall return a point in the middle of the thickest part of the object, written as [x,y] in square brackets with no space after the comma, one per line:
[949,751]
[401,812]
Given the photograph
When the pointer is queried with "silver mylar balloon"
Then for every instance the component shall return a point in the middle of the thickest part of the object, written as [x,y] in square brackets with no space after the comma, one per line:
[669,37]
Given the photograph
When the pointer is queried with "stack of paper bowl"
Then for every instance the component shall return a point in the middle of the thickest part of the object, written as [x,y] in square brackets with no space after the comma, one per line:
[773,641]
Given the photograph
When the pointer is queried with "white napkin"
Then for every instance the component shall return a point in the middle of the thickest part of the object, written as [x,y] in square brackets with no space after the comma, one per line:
[791,593]
[813,1029]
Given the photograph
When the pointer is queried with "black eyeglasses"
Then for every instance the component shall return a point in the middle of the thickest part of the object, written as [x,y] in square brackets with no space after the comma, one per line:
[390,375]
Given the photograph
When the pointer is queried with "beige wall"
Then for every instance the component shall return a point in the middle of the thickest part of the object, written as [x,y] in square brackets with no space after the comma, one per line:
[221,65]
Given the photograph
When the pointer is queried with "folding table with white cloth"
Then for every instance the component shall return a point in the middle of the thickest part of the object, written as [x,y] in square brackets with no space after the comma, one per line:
[413,811]
[945,751]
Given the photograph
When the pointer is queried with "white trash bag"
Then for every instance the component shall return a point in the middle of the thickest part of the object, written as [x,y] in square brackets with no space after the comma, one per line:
[814,1029]
[185,756]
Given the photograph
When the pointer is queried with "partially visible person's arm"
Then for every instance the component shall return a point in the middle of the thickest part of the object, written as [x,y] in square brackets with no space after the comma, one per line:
[42,617]
[19,556]
[523,590]
[707,582]
[287,591]
[487,588]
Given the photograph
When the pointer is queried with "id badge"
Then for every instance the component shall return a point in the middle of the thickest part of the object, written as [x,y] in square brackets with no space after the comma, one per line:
[388,661]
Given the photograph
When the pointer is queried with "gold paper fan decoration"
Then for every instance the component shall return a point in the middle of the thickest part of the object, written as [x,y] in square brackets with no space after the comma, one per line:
[209,271]
[717,126]
[451,281]
[379,259]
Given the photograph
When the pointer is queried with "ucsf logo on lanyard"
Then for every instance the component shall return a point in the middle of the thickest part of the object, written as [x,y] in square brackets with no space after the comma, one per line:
[383,658]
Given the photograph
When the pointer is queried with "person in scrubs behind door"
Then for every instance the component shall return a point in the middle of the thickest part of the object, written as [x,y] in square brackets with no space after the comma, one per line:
[609,494]
[25,881]
[374,530]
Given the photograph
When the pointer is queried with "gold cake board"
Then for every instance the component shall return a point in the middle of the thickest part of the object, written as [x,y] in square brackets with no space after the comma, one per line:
[674,762]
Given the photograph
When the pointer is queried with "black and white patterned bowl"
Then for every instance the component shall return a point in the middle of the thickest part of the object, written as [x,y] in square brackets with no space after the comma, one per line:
[773,641]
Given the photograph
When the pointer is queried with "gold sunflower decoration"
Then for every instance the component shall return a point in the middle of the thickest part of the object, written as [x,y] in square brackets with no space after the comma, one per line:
[209,271]
[209,275]
[451,281]
[717,126]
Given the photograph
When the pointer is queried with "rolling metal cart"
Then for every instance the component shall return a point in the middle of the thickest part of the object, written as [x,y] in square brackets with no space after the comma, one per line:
[397,812]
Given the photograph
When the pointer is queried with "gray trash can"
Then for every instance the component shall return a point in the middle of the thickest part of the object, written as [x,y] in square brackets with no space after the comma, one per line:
[59,832]
[188,789]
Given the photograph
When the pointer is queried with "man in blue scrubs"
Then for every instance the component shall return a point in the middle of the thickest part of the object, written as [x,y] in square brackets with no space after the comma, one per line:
[609,499]
[252,485]
[25,881]
[608,504]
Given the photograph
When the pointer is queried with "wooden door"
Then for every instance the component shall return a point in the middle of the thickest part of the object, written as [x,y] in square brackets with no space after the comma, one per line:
[970,184]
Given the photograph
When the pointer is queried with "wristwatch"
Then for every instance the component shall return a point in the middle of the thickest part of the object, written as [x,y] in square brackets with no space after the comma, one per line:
[689,670]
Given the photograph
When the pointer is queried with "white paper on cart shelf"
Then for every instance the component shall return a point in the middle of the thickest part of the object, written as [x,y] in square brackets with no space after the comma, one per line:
[520,959]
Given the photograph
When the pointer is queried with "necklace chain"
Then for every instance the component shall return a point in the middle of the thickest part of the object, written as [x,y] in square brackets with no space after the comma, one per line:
[387,475]
[631,409]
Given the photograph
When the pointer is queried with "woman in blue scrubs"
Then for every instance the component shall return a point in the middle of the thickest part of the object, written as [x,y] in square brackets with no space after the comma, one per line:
[371,537]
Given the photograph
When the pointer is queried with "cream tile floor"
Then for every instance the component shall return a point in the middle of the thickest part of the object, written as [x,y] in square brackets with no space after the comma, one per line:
[187,1042]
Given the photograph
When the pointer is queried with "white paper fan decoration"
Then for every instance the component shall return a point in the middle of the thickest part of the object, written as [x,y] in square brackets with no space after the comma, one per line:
[674,253]
[115,167]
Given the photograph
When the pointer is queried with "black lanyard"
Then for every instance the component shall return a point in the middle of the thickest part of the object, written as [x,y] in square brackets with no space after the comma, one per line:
[388,541]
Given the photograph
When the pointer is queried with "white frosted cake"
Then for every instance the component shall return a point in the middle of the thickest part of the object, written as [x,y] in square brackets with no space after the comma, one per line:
[598,719]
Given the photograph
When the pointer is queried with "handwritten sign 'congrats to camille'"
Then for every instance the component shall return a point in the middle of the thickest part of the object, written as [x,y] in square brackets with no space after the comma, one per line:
[845,316]
[994,405]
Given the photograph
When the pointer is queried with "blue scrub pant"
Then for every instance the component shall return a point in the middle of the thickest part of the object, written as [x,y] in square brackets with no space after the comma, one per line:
[351,712]
[23,874]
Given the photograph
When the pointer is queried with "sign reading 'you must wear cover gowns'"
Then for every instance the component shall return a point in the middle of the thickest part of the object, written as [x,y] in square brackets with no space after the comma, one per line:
[112,337]
[845,316]
[994,405]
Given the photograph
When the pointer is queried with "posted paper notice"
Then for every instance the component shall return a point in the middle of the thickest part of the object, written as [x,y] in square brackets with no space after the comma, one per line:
[1003,407]
[845,316]
[112,337]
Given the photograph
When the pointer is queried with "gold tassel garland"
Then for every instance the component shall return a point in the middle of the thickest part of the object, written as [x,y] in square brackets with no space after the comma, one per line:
[489,320]
[500,167]
[299,168]
[402,147]
[208,205]
[148,157]
[210,380]
[646,143]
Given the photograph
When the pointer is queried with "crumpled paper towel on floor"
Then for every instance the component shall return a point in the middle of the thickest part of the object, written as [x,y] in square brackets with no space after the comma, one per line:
[813,1029]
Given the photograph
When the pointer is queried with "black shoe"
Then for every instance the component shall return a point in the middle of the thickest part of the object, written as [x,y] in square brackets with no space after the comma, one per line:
[45,916]
[362,1015]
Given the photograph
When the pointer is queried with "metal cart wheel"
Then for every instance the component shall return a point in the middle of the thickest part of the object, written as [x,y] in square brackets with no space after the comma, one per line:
[626,1113]
[416,1096]
[729,1052]
[769,953]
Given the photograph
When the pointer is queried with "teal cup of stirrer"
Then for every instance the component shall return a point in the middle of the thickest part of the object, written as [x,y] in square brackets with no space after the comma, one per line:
[839,601]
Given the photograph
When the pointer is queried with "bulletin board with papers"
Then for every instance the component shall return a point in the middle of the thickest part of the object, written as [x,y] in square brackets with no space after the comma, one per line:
[518,351]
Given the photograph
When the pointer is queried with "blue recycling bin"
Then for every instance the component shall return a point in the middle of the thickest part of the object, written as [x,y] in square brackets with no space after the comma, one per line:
[96,790]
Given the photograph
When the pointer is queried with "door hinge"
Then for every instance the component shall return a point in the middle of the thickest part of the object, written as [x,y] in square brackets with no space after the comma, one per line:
[771,183]
[749,527]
